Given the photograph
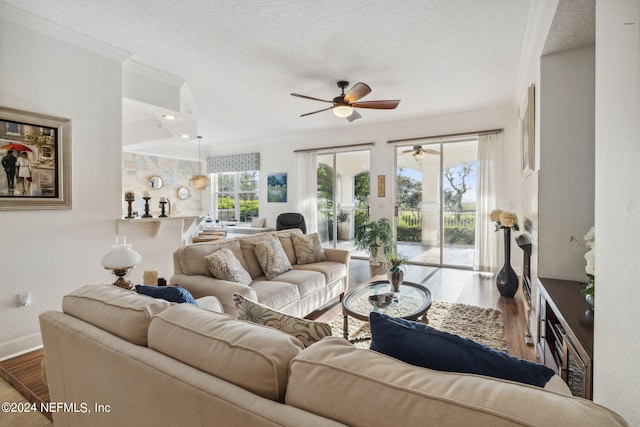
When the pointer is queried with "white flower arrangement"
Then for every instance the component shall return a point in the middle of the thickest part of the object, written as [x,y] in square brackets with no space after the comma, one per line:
[504,220]
[589,242]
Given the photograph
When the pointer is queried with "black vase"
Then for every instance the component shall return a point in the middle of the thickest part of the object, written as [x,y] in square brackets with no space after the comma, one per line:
[507,279]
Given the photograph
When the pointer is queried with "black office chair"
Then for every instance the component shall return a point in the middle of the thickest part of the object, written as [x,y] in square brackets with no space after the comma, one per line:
[286,221]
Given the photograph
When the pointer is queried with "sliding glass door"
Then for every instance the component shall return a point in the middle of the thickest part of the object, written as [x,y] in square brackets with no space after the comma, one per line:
[436,202]
[342,195]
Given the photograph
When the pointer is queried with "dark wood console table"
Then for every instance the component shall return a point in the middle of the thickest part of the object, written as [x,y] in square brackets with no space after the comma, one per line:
[565,338]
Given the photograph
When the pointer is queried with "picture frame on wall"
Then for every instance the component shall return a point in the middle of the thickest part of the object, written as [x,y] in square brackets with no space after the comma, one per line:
[527,132]
[277,187]
[36,161]
[381,185]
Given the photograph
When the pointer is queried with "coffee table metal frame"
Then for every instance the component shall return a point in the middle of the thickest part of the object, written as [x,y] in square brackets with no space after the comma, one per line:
[366,289]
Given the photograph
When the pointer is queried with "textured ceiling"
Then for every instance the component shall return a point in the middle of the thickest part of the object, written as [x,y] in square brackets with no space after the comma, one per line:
[241,60]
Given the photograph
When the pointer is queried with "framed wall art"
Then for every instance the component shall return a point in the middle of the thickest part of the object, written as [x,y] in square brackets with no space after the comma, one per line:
[381,185]
[36,161]
[527,132]
[277,187]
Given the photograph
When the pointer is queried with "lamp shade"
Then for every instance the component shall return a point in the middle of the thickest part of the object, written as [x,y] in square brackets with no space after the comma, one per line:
[199,182]
[121,257]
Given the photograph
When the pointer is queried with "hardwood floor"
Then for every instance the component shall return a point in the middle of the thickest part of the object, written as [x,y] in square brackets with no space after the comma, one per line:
[458,286]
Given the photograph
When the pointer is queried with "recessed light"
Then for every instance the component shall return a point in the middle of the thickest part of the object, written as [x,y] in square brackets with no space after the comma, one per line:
[185,136]
[169,116]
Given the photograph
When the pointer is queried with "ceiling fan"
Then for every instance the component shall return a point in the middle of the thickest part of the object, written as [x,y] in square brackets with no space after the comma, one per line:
[418,152]
[344,104]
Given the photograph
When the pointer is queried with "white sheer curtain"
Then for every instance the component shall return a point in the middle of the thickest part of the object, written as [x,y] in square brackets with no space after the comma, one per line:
[488,183]
[306,189]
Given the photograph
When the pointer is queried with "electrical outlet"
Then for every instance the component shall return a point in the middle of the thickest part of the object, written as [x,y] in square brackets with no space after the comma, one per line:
[24,300]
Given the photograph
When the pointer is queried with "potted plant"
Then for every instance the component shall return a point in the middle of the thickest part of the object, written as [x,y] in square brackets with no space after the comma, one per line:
[396,265]
[375,234]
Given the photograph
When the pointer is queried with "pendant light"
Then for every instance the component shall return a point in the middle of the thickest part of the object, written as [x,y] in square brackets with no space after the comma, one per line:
[199,182]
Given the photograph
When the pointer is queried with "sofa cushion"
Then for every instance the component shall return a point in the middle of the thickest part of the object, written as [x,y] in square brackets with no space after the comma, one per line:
[306,281]
[251,356]
[274,293]
[422,345]
[384,388]
[251,260]
[118,311]
[332,270]
[307,331]
[271,257]
[224,265]
[308,248]
[168,293]
[287,244]
[192,260]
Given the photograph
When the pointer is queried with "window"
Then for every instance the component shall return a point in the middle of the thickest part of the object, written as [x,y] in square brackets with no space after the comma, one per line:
[235,195]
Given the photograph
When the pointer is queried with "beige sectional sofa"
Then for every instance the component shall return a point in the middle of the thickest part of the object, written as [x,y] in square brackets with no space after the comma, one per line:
[297,292]
[148,362]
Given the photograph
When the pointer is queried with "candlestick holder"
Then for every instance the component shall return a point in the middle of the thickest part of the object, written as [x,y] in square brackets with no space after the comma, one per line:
[146,208]
[129,210]
[162,213]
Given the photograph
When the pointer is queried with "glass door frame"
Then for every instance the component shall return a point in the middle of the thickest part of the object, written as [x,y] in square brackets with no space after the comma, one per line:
[440,144]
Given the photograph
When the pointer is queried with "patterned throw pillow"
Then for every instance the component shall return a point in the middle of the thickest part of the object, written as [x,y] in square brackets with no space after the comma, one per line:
[224,265]
[308,248]
[271,257]
[306,331]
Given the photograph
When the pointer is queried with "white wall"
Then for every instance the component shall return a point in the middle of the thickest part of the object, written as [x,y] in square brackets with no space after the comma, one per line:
[617,337]
[567,174]
[279,156]
[52,252]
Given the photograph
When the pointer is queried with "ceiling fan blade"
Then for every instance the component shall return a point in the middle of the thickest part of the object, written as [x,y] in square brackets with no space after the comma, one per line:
[358,91]
[311,98]
[354,116]
[313,112]
[429,151]
[380,105]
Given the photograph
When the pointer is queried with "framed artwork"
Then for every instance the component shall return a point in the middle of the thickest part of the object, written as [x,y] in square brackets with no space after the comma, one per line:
[36,161]
[381,185]
[277,187]
[527,132]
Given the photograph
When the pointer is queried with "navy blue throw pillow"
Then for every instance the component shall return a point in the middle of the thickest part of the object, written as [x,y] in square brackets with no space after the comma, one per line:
[169,293]
[422,345]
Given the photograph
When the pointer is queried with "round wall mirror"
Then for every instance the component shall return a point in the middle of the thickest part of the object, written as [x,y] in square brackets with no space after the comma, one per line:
[183,193]
[156,182]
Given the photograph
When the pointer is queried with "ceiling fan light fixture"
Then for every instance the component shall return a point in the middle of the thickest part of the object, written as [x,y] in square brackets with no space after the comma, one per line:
[418,155]
[342,110]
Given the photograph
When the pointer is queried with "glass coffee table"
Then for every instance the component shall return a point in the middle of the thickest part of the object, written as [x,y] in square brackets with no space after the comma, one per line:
[411,303]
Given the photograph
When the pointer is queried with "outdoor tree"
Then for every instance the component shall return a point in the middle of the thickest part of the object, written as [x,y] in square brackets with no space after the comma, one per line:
[457,179]
[325,183]
[362,188]
[409,193]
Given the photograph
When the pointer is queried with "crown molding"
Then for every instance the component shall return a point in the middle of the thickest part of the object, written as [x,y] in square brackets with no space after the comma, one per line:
[35,23]
[135,67]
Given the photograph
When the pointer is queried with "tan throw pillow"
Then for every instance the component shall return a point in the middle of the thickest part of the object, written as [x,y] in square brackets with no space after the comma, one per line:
[225,266]
[258,222]
[306,331]
[271,257]
[308,248]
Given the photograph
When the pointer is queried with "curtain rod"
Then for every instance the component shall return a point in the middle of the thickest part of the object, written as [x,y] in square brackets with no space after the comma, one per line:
[450,135]
[306,150]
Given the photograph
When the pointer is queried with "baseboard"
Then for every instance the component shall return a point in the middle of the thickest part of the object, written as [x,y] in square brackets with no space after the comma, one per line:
[20,346]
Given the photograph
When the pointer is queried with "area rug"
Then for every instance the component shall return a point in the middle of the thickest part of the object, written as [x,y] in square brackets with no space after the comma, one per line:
[484,325]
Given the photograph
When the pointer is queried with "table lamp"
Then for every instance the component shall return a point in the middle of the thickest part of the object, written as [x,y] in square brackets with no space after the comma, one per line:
[121,260]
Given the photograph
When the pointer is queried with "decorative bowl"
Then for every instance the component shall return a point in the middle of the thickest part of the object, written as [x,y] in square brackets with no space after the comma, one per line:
[381,300]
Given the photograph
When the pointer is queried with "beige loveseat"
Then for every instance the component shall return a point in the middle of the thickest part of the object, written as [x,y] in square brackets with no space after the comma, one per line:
[132,360]
[297,292]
